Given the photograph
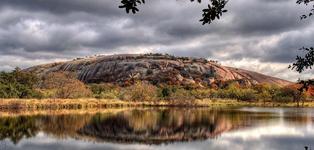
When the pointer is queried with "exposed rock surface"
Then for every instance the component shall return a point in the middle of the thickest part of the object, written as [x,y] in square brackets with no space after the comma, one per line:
[155,68]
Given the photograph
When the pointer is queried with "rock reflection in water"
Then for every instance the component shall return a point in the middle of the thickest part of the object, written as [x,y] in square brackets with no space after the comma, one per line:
[148,126]
[163,126]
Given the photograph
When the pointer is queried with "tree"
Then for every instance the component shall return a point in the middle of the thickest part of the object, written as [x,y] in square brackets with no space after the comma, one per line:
[266,91]
[17,128]
[140,91]
[213,11]
[306,2]
[307,61]
[64,85]
[18,84]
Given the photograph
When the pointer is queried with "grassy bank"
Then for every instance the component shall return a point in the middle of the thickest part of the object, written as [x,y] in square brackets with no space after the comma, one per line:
[92,103]
[42,104]
[32,112]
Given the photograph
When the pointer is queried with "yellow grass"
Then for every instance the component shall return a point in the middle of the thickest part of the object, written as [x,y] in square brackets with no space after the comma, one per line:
[106,103]
[32,112]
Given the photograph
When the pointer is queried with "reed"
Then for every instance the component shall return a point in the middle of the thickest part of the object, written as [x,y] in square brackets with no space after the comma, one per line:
[55,104]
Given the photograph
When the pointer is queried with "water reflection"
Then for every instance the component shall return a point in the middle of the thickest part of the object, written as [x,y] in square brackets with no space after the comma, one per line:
[18,128]
[153,128]
[163,126]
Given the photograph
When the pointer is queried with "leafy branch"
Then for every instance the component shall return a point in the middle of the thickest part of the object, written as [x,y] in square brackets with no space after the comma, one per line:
[131,5]
[214,11]
[306,2]
[306,62]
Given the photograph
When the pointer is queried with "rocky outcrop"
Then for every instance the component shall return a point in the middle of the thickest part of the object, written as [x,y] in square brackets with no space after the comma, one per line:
[164,126]
[154,68]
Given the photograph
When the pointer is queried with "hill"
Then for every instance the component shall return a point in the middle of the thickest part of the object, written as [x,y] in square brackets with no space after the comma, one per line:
[156,69]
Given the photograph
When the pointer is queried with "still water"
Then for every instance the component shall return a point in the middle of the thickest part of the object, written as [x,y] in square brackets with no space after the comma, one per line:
[162,128]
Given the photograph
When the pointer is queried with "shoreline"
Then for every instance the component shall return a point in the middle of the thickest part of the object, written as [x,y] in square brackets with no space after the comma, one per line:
[88,103]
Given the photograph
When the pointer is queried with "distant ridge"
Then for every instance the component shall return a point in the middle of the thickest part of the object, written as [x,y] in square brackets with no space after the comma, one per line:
[156,69]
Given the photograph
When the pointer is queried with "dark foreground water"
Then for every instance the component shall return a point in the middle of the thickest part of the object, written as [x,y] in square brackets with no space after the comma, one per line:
[169,129]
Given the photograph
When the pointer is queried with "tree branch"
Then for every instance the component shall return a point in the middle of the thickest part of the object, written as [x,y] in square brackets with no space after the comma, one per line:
[306,2]
[214,11]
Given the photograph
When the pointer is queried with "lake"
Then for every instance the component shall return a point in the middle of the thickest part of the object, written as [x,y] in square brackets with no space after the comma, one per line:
[161,128]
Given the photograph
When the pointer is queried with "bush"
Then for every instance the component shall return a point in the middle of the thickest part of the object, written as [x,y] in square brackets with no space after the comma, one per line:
[105,91]
[288,94]
[175,93]
[233,91]
[18,84]
[263,96]
[165,91]
[266,92]
[202,93]
[63,85]
[247,95]
[181,94]
[230,92]
[140,91]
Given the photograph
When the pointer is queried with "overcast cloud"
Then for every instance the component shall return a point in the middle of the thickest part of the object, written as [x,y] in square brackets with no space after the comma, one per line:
[259,35]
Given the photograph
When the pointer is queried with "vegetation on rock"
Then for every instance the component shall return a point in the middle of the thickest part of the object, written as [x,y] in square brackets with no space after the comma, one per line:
[147,77]
[18,84]
[63,85]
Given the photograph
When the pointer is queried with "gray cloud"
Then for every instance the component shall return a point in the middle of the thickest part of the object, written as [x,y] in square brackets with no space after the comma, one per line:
[265,30]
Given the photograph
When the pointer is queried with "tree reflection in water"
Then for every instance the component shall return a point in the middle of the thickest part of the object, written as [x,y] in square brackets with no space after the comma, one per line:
[147,126]
[162,126]
[18,128]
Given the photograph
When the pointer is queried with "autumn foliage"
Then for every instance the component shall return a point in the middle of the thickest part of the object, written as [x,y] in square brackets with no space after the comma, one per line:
[63,85]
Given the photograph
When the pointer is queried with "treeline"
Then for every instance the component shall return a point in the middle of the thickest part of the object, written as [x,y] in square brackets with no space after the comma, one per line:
[20,84]
[145,91]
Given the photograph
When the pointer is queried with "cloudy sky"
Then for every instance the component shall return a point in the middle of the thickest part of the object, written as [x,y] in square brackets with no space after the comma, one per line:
[259,35]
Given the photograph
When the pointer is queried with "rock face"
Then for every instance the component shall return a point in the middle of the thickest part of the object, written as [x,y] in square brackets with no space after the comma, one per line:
[156,69]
